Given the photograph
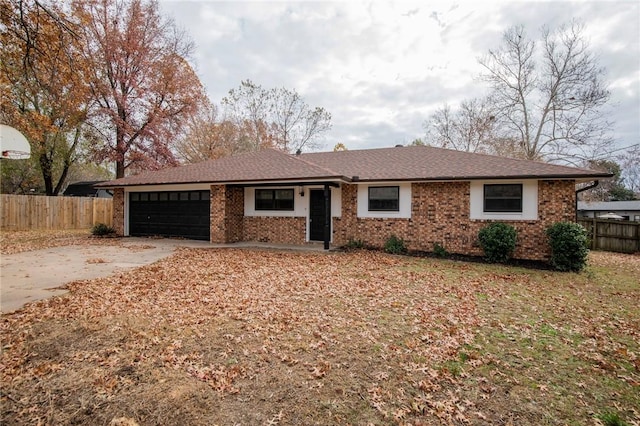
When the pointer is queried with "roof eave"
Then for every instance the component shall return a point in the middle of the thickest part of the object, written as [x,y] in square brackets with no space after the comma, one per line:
[293,181]
[580,177]
[345,179]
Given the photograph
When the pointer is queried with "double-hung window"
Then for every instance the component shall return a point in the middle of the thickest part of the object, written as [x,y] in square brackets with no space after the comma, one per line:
[503,198]
[274,199]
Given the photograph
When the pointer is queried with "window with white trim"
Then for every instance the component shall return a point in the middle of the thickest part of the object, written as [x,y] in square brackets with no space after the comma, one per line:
[503,198]
[274,199]
[384,198]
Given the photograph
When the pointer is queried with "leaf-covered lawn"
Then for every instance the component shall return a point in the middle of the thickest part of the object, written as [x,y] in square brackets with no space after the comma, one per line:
[228,336]
[12,242]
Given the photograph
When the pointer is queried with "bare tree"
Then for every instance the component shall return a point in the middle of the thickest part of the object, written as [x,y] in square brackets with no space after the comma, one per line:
[630,162]
[469,128]
[296,124]
[199,141]
[276,118]
[209,137]
[550,99]
[248,107]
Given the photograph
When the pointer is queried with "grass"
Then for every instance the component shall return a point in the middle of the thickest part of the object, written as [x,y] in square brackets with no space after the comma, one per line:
[266,337]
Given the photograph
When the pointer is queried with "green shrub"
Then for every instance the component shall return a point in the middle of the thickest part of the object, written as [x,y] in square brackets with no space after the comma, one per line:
[101,229]
[355,244]
[568,243]
[395,245]
[498,241]
[439,250]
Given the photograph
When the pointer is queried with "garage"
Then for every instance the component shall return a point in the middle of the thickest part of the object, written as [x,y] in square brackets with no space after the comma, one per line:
[183,214]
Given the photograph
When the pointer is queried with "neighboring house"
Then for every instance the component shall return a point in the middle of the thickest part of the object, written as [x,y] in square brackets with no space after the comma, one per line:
[423,195]
[628,210]
[86,189]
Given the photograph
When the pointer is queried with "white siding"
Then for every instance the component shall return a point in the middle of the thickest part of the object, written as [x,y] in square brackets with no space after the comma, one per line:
[300,202]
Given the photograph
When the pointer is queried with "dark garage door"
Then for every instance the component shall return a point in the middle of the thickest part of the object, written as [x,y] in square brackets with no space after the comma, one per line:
[170,214]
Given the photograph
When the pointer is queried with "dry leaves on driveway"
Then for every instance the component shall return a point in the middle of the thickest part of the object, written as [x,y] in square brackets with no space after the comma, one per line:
[12,242]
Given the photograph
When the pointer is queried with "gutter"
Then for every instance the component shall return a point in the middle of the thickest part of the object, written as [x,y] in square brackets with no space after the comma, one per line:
[593,185]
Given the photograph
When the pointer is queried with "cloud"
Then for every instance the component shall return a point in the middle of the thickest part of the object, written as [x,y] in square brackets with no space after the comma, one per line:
[381,68]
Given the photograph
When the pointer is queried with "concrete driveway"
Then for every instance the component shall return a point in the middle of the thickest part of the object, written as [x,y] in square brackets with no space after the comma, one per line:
[40,274]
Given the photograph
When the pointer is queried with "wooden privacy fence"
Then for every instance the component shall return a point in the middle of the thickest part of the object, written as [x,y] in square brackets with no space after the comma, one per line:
[20,212]
[613,235]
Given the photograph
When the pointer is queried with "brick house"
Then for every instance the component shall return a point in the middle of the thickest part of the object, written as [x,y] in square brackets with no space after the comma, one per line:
[423,195]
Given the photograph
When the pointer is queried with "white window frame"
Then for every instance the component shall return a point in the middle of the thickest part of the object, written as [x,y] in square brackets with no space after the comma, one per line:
[529,201]
[404,211]
[300,202]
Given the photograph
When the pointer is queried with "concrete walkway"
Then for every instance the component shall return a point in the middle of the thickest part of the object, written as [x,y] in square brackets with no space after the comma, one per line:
[40,274]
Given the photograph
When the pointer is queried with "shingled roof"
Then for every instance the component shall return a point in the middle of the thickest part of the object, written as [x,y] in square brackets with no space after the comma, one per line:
[415,163]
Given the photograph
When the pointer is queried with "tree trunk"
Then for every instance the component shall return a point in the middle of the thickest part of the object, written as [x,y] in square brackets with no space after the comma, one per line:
[45,167]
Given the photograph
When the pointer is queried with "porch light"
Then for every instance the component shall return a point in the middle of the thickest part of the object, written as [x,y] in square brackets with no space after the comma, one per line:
[301,191]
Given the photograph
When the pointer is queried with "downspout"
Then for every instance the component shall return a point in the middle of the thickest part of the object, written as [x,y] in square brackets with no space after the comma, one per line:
[593,185]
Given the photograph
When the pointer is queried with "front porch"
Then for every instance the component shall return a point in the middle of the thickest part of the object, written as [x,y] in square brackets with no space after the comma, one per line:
[235,217]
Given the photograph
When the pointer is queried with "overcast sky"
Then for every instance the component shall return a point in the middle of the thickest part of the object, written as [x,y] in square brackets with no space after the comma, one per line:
[381,68]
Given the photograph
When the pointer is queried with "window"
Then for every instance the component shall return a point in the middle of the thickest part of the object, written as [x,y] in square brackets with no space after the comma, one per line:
[384,198]
[274,199]
[503,198]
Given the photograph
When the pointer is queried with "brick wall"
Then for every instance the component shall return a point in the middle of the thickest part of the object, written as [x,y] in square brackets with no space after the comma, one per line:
[234,214]
[440,214]
[229,225]
[118,211]
[218,212]
[278,230]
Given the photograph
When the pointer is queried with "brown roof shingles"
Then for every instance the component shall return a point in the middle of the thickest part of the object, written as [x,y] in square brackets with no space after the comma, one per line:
[259,166]
[429,163]
[386,164]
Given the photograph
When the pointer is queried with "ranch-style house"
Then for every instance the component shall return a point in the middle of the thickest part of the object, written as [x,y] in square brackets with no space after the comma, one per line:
[424,195]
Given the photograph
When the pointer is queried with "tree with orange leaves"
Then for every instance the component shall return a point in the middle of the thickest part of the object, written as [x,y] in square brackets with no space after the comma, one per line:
[144,88]
[42,92]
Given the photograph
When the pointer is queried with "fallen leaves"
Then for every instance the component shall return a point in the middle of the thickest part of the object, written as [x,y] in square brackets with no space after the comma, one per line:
[12,242]
[340,338]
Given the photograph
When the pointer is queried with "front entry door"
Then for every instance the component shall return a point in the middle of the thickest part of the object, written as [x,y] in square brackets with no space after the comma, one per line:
[317,209]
